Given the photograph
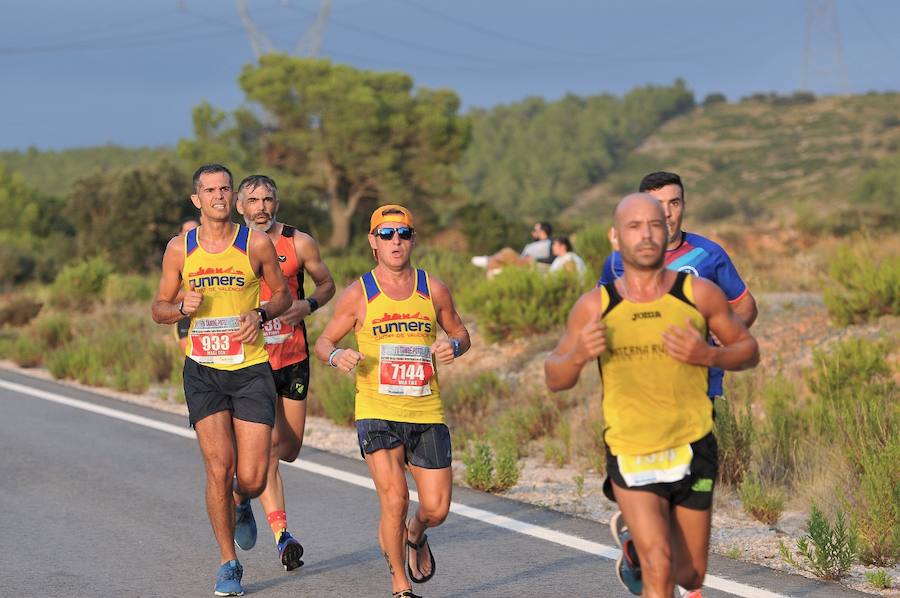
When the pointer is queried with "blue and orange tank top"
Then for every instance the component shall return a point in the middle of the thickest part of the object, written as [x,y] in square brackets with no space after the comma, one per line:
[286,344]
[230,288]
[651,401]
[397,380]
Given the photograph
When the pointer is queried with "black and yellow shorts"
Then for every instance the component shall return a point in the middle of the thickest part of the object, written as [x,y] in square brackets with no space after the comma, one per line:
[693,492]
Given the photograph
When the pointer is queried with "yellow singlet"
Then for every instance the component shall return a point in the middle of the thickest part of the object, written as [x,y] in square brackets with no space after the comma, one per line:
[397,380]
[651,401]
[230,287]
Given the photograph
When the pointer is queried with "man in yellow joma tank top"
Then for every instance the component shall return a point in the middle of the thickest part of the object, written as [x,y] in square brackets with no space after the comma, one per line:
[228,383]
[647,329]
[395,310]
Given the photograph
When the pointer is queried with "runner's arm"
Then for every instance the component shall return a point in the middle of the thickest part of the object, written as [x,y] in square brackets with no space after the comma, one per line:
[166,303]
[345,318]
[745,308]
[738,350]
[450,322]
[583,340]
[310,258]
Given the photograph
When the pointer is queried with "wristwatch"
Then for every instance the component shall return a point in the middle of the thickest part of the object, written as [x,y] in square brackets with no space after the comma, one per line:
[263,316]
[457,349]
[313,304]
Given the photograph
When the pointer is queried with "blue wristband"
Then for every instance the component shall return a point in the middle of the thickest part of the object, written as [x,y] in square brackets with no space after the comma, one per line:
[457,348]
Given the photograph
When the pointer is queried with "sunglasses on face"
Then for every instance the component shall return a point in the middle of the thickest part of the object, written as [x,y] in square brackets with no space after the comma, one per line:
[387,233]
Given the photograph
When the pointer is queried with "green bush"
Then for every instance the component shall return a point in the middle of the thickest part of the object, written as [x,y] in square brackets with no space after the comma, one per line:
[763,504]
[827,551]
[347,268]
[878,579]
[592,244]
[520,302]
[79,285]
[53,330]
[734,433]
[467,399]
[491,470]
[777,440]
[121,289]
[118,351]
[875,506]
[453,269]
[335,391]
[28,351]
[863,286]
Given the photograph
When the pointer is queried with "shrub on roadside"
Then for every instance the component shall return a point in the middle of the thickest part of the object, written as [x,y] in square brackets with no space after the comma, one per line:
[491,469]
[764,504]
[335,391]
[120,289]
[827,551]
[863,285]
[592,244]
[520,302]
[777,440]
[880,579]
[466,400]
[734,434]
[80,285]
[18,310]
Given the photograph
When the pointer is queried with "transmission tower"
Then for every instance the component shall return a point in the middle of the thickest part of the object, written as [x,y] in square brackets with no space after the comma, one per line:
[309,45]
[824,56]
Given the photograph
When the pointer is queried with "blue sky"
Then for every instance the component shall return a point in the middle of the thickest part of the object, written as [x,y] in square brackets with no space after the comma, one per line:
[96,71]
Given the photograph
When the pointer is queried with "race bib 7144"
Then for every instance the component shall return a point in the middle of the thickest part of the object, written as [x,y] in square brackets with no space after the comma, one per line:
[405,370]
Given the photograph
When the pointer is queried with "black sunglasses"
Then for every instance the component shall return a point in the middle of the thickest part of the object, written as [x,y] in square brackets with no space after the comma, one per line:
[387,233]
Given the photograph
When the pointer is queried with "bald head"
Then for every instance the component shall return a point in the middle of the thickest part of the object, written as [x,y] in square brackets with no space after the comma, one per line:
[639,231]
[635,203]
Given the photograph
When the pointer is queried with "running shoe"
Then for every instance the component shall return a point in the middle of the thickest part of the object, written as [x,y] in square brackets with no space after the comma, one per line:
[228,579]
[289,551]
[682,593]
[244,526]
[628,567]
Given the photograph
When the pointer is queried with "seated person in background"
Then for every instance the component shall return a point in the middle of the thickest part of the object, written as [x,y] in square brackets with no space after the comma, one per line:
[566,260]
[538,251]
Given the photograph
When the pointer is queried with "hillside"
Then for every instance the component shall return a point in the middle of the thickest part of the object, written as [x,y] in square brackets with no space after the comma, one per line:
[760,160]
[53,172]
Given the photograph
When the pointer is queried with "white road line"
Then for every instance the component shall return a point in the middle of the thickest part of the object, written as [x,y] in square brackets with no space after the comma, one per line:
[514,525]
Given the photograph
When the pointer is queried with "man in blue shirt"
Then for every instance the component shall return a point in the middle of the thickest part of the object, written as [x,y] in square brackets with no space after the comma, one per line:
[692,253]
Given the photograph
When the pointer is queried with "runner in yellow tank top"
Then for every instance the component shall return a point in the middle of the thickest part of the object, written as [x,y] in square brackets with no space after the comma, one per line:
[648,330]
[228,383]
[395,311]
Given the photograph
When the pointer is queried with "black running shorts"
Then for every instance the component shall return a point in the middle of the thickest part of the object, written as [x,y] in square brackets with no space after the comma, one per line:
[292,381]
[427,445]
[693,492]
[249,393]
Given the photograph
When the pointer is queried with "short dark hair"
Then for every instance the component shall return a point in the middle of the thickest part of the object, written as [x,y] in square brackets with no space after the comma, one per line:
[658,180]
[564,241]
[211,169]
[255,180]
[545,226]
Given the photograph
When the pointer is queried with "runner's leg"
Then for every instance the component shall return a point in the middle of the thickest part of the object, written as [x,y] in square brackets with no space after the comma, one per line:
[216,439]
[435,488]
[690,546]
[387,467]
[647,516]
[253,442]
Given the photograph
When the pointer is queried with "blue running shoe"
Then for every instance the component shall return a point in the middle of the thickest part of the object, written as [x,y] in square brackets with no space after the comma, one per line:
[228,579]
[289,551]
[628,567]
[244,526]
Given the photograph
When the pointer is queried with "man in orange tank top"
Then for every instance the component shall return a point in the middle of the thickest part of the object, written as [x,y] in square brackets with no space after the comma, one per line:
[230,393]
[667,508]
[399,415]
[286,343]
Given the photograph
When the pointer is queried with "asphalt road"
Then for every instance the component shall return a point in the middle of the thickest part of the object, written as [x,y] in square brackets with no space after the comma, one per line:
[93,505]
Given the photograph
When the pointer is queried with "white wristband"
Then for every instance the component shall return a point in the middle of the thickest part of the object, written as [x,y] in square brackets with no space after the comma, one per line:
[332,356]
